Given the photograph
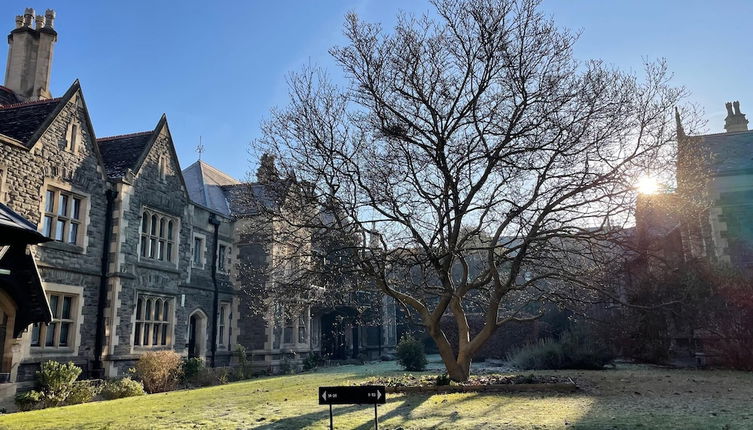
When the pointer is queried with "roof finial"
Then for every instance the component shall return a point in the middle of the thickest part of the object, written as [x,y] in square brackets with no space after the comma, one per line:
[200,148]
[678,122]
[735,120]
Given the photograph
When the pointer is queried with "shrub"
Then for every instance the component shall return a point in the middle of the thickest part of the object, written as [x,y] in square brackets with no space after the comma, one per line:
[56,381]
[574,350]
[313,361]
[159,371]
[410,354]
[30,400]
[211,376]
[443,379]
[192,367]
[124,387]
[243,370]
[82,392]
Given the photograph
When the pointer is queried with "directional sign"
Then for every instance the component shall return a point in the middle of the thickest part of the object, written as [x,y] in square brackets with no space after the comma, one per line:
[363,395]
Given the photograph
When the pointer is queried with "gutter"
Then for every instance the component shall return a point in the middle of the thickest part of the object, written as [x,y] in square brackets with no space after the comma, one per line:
[102,302]
[216,223]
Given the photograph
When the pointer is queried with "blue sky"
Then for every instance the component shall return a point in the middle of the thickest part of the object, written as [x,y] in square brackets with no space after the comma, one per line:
[217,67]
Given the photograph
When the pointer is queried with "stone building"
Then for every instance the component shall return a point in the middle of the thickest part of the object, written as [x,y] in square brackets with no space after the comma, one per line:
[142,255]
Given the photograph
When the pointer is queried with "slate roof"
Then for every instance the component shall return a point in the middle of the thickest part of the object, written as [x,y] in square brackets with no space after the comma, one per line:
[7,96]
[730,152]
[204,184]
[120,153]
[20,121]
[244,199]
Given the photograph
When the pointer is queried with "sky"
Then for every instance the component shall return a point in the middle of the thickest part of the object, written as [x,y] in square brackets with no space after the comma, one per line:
[216,68]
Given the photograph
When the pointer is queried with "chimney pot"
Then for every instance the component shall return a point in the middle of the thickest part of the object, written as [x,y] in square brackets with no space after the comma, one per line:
[49,15]
[735,120]
[28,16]
[40,22]
[19,21]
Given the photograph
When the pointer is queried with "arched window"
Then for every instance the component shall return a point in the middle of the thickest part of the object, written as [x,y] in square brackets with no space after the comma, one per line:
[153,325]
[158,234]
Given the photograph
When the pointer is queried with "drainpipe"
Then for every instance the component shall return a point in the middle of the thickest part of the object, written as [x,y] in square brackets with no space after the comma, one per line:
[102,302]
[216,223]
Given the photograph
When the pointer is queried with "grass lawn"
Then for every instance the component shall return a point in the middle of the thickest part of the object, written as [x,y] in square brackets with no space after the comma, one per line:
[629,397]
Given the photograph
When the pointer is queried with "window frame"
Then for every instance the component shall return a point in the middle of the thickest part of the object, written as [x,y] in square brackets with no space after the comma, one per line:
[224,325]
[3,176]
[74,320]
[158,237]
[154,330]
[52,216]
[203,251]
[224,264]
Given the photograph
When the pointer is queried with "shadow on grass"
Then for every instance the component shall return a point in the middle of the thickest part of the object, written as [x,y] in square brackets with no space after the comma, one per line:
[322,415]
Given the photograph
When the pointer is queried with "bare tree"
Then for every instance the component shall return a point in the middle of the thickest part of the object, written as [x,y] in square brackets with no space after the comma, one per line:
[496,168]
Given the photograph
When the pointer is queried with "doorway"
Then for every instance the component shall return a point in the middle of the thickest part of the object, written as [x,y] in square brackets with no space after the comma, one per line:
[197,334]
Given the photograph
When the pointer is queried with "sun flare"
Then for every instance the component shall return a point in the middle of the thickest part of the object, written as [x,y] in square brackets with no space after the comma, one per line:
[647,185]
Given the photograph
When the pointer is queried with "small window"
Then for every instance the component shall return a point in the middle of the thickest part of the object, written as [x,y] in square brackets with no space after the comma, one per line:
[221,257]
[223,328]
[2,184]
[60,332]
[72,136]
[163,167]
[198,251]
[63,215]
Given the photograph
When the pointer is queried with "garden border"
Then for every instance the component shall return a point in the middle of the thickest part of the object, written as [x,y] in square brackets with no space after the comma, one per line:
[565,387]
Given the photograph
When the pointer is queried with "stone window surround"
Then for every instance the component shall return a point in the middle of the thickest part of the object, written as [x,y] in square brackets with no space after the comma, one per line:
[228,257]
[74,340]
[73,136]
[203,251]
[169,345]
[173,259]
[3,174]
[85,219]
[224,326]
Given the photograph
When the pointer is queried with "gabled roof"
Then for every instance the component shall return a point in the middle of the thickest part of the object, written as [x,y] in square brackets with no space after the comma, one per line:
[21,121]
[204,184]
[121,153]
[128,152]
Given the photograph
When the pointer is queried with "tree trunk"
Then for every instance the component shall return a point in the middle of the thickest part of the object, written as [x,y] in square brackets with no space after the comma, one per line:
[458,368]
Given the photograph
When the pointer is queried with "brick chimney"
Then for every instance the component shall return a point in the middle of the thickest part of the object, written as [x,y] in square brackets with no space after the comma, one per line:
[30,55]
[735,120]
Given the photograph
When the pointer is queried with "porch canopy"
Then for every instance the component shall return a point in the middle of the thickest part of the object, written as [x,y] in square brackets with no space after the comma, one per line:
[19,276]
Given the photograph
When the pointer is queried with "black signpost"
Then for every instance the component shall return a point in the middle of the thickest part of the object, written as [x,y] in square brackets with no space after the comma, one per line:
[363,395]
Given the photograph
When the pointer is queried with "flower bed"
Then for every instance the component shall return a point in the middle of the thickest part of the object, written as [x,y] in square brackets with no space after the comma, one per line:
[477,383]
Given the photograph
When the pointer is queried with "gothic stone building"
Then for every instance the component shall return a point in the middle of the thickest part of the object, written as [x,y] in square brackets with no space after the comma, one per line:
[141,255]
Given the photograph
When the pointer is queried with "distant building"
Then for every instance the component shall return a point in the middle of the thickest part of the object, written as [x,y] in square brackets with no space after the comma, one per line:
[141,255]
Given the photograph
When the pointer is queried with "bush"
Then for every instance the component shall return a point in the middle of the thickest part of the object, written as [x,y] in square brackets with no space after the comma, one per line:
[443,379]
[119,388]
[30,400]
[56,381]
[56,386]
[159,371]
[82,392]
[313,361]
[192,367]
[410,354]
[211,376]
[243,370]
[574,350]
